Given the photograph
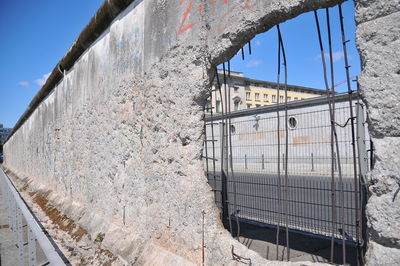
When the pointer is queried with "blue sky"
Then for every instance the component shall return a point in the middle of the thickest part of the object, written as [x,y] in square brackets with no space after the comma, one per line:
[36,34]
[302,50]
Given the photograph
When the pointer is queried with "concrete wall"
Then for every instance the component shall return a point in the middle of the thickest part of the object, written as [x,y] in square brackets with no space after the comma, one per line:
[117,145]
[378,32]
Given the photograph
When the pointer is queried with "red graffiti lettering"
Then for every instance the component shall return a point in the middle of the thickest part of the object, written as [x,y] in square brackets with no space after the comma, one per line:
[183,28]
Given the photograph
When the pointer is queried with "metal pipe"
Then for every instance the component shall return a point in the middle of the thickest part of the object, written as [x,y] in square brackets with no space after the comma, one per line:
[286,157]
[231,154]
[333,128]
[353,144]
[333,157]
[278,149]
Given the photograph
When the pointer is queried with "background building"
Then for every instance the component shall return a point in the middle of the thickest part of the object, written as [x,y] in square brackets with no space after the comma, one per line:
[250,93]
[4,133]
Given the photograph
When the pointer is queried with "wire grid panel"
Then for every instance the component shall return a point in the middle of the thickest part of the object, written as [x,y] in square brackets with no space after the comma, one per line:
[309,192]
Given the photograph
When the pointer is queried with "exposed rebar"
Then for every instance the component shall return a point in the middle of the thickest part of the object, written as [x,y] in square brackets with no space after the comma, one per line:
[353,144]
[333,128]
[286,184]
[278,150]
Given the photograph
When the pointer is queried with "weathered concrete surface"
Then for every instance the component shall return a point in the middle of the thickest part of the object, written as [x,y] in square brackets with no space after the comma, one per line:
[378,40]
[117,145]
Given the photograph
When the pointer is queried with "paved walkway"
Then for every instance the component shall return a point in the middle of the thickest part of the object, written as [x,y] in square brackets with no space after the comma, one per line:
[8,249]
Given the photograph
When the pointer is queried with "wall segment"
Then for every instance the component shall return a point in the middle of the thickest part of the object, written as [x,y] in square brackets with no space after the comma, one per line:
[117,144]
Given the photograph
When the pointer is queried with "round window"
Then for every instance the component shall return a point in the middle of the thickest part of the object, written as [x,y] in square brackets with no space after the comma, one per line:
[233,129]
[292,122]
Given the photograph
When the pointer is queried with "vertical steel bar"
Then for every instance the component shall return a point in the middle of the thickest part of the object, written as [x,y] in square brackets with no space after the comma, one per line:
[333,157]
[262,161]
[231,152]
[213,139]
[224,187]
[278,150]
[286,157]
[349,90]
[331,111]
[312,162]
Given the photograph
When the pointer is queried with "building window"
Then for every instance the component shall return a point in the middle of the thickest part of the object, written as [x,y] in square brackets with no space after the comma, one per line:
[236,105]
[292,122]
[235,88]
[295,98]
[248,106]
[281,99]
[289,99]
[265,97]
[247,95]
[274,98]
[257,96]
[218,106]
[258,105]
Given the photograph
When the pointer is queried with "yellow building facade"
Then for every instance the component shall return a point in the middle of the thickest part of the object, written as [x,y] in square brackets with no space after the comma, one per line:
[245,93]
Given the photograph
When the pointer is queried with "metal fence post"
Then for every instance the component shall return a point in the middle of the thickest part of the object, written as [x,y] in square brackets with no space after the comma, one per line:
[312,162]
[283,161]
[362,149]
[245,161]
[262,162]
[224,172]
[334,161]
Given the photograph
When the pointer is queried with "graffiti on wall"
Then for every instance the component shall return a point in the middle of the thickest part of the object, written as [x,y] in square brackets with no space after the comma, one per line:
[193,7]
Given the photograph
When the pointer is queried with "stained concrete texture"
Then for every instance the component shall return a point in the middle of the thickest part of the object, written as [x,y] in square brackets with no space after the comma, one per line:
[378,32]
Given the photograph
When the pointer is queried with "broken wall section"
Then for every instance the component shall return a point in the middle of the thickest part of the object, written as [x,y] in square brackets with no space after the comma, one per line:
[378,31]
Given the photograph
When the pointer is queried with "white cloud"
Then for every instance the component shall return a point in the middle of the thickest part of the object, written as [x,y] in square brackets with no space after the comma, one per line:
[23,83]
[42,81]
[336,56]
[254,63]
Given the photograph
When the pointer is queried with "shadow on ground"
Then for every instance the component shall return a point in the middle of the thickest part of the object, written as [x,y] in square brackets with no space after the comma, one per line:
[262,239]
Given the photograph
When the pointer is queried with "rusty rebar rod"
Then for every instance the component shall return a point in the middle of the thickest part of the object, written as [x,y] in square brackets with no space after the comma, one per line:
[336,140]
[286,158]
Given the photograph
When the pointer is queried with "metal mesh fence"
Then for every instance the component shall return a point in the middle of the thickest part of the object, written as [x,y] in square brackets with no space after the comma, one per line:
[255,165]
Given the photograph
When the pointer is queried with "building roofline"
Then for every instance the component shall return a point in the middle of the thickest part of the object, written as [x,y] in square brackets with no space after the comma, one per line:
[289,86]
[341,97]
[272,84]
